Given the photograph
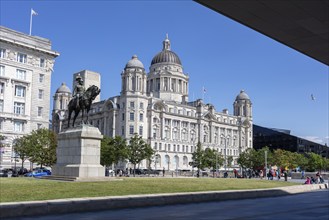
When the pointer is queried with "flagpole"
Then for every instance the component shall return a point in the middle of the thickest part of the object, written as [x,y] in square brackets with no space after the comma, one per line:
[31,23]
[203,93]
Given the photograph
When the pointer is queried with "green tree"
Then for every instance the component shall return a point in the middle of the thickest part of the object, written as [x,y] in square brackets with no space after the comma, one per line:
[229,161]
[113,150]
[326,164]
[246,158]
[301,160]
[259,158]
[42,145]
[212,158]
[315,162]
[138,150]
[198,157]
[21,149]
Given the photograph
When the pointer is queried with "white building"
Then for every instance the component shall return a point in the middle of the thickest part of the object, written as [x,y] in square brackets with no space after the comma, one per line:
[26,65]
[155,105]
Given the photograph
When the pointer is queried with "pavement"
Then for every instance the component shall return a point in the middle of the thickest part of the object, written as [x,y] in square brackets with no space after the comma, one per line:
[90,204]
[300,206]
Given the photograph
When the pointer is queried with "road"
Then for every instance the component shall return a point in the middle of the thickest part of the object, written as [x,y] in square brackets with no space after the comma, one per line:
[310,205]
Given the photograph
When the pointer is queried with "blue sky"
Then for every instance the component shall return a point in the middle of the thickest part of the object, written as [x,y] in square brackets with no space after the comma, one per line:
[217,53]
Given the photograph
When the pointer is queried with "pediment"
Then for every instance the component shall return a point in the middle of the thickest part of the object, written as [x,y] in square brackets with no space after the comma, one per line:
[209,116]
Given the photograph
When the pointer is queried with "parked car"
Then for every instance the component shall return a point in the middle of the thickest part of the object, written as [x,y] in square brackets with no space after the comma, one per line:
[150,171]
[3,173]
[43,170]
[138,172]
[38,173]
[22,171]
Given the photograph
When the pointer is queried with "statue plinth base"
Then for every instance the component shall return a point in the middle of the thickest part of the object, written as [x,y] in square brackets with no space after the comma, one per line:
[78,153]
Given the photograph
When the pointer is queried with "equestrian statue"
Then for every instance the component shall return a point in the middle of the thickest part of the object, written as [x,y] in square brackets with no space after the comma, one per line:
[81,100]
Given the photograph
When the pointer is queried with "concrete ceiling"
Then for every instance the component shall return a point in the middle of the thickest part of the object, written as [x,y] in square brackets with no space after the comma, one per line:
[299,24]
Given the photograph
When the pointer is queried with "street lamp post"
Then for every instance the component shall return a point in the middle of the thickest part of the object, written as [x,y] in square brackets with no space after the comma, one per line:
[176,160]
[225,139]
[265,164]
[155,162]
[225,152]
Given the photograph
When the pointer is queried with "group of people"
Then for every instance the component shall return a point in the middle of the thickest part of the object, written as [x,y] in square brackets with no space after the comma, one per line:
[311,180]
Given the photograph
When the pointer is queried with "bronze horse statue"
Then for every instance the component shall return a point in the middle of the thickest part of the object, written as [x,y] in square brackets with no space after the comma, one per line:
[84,103]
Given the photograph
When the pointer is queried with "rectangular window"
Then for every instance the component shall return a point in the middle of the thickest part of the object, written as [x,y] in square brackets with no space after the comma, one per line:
[141,130]
[1,105]
[160,146]
[42,62]
[20,74]
[18,126]
[39,126]
[2,53]
[19,108]
[2,87]
[123,116]
[141,116]
[141,105]
[132,104]
[131,116]
[41,77]
[131,129]
[1,121]
[40,95]
[20,91]
[123,130]
[2,70]
[21,58]
[40,110]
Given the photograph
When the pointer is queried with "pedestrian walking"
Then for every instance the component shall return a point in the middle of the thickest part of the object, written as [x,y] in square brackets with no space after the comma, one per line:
[261,174]
[278,174]
[303,174]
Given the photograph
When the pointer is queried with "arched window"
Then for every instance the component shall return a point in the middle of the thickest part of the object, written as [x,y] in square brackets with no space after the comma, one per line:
[157,161]
[205,135]
[133,83]
[167,161]
[176,162]
[185,161]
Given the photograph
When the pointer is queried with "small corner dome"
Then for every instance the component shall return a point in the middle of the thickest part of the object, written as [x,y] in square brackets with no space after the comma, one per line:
[242,96]
[134,62]
[63,89]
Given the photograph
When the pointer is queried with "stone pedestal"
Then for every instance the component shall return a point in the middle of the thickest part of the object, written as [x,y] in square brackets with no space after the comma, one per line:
[78,153]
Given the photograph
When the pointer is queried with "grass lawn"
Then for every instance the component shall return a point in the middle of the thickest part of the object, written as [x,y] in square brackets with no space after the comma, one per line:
[31,189]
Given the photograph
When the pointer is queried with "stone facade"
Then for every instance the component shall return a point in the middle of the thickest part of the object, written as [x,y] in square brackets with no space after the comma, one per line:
[155,105]
[26,64]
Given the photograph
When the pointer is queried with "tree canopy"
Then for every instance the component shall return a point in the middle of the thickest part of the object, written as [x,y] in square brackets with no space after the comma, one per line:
[39,147]
[113,150]
[138,150]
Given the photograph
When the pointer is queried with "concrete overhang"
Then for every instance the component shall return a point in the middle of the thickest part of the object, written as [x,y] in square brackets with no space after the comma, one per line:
[299,24]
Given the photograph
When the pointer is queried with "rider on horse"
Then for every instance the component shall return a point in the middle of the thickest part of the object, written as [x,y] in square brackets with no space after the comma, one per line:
[78,90]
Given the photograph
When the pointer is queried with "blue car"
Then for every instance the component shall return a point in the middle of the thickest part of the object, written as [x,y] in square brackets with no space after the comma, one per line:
[38,173]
